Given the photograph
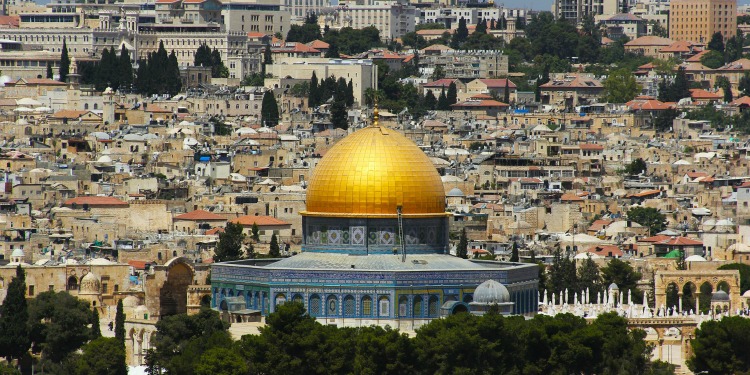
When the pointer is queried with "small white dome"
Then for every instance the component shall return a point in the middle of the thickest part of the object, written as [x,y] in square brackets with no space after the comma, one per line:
[455,192]
[90,284]
[613,286]
[17,253]
[695,258]
[130,301]
[491,292]
[719,296]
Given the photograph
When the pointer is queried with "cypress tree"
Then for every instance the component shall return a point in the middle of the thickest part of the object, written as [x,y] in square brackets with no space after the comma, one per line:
[269,110]
[125,68]
[50,75]
[506,92]
[442,103]
[64,62]
[312,100]
[429,100]
[274,250]
[120,323]
[350,94]
[174,84]
[339,115]
[96,330]
[14,316]
[452,93]
[462,249]
[514,253]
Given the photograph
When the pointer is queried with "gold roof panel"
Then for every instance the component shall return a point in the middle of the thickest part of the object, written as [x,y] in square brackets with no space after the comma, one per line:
[370,173]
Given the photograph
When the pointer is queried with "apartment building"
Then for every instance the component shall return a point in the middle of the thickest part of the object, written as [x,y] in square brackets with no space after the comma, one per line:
[577,10]
[698,20]
[393,19]
[465,64]
[260,16]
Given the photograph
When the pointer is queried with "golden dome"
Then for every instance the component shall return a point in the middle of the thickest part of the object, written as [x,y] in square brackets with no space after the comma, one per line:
[370,173]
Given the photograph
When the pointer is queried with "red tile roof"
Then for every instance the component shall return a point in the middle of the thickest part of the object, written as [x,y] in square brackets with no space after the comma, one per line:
[138,264]
[570,197]
[249,220]
[605,250]
[93,201]
[599,224]
[702,94]
[679,241]
[445,82]
[69,114]
[656,238]
[199,215]
[590,146]
[498,83]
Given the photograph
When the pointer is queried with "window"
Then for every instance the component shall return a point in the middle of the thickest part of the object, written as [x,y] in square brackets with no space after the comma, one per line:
[104,288]
[31,290]
[384,306]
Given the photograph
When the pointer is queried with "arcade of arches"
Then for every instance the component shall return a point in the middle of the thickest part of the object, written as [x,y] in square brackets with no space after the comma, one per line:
[691,291]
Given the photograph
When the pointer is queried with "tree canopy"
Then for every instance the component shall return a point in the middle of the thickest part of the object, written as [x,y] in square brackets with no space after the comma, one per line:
[230,243]
[620,86]
[648,217]
[721,347]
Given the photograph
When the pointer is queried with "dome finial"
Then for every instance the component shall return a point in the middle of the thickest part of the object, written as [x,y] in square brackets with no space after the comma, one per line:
[375,114]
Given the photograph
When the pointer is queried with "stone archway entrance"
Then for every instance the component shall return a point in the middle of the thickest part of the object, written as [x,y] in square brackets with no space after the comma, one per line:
[174,293]
[691,285]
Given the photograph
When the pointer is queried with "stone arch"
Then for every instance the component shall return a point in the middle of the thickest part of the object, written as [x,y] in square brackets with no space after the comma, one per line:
[673,295]
[723,285]
[173,294]
[280,299]
[72,283]
[297,298]
[459,307]
[689,302]
[680,278]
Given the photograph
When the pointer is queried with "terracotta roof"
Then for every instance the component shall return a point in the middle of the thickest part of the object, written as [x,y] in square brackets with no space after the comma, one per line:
[153,108]
[646,193]
[138,264]
[741,64]
[742,101]
[498,83]
[657,238]
[705,95]
[199,215]
[571,197]
[599,224]
[249,220]
[697,57]
[293,47]
[697,174]
[679,47]
[255,35]
[213,231]
[318,44]
[9,21]
[679,241]
[649,105]
[95,201]
[428,32]
[590,146]
[649,40]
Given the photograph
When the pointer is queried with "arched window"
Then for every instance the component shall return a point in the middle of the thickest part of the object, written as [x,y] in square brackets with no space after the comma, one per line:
[384,306]
[403,304]
[350,306]
[315,308]
[366,306]
[432,307]
[417,307]
[280,299]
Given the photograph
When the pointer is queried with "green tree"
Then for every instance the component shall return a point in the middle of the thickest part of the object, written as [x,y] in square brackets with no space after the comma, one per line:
[681,86]
[437,73]
[50,75]
[452,94]
[96,330]
[274,250]
[267,56]
[506,92]
[620,86]
[648,217]
[723,83]
[14,315]
[269,110]
[221,361]
[717,42]
[514,253]
[120,323]
[125,69]
[744,84]
[589,278]
[64,62]
[720,347]
[665,119]
[713,59]
[255,232]
[462,249]
[339,115]
[58,324]
[230,243]
[442,102]
[624,276]
[314,98]
[636,166]
[101,356]
[430,101]
[562,274]
[481,27]
[460,35]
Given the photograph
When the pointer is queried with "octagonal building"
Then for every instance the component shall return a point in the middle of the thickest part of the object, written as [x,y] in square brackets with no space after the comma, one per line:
[375,246]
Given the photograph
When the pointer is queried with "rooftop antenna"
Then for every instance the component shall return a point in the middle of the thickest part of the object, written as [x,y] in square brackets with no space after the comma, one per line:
[401,233]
